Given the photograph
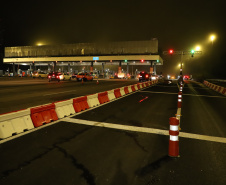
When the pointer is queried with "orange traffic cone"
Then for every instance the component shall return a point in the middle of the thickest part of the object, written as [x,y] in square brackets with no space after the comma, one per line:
[97,81]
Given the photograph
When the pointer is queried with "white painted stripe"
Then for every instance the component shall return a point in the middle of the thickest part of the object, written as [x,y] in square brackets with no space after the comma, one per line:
[197,95]
[174,138]
[145,130]
[117,126]
[58,93]
[174,127]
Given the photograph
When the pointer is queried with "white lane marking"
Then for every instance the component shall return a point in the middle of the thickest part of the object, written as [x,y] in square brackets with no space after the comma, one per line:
[183,87]
[58,93]
[158,92]
[184,94]
[116,126]
[145,129]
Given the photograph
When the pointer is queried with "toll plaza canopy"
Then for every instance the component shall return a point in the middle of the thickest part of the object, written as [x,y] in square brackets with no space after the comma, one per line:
[109,52]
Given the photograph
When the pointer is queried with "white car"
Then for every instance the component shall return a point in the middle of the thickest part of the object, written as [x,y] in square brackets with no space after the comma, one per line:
[67,76]
[154,77]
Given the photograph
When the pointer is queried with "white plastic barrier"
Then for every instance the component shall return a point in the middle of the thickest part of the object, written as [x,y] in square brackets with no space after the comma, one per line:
[111,95]
[64,108]
[122,91]
[92,100]
[15,123]
[129,89]
[135,86]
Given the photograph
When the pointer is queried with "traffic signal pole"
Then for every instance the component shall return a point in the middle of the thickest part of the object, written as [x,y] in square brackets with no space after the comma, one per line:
[172,52]
[180,80]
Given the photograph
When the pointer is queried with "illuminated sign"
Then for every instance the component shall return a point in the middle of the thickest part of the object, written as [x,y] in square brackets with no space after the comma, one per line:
[95,58]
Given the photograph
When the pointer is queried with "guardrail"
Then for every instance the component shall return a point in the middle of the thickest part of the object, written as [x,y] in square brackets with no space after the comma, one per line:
[217,88]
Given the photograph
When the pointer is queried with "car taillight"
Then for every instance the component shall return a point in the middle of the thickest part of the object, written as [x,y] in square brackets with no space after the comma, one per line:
[57,76]
[53,75]
[49,76]
[146,76]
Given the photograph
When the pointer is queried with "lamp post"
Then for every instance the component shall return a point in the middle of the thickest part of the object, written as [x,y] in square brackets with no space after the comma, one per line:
[212,38]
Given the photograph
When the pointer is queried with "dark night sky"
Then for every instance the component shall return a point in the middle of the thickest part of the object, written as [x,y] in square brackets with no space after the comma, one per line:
[177,24]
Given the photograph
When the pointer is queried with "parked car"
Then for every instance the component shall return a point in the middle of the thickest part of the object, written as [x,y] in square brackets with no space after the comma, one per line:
[55,76]
[84,76]
[39,75]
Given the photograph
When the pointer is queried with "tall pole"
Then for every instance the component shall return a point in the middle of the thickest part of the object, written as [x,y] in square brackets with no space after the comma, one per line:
[181,62]
[181,68]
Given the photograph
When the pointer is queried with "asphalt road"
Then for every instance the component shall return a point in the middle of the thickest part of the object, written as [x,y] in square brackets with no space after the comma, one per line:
[20,93]
[85,150]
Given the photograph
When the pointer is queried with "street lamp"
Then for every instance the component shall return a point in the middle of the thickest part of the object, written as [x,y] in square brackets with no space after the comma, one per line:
[197,48]
[212,38]
[179,65]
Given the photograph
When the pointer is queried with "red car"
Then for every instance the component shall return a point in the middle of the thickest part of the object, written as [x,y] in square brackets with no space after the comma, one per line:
[57,76]
[84,76]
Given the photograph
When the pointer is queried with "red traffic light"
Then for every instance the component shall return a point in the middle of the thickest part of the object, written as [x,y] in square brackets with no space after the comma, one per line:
[171,51]
[142,60]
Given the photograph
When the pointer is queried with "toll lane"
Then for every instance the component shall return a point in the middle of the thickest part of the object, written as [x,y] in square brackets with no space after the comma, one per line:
[15,96]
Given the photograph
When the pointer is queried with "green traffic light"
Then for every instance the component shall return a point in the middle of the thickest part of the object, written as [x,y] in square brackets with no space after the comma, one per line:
[192,51]
[125,60]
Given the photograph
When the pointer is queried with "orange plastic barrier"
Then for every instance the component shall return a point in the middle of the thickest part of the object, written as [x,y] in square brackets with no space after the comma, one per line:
[126,90]
[80,104]
[117,93]
[133,88]
[103,97]
[138,86]
[224,91]
[147,84]
[43,114]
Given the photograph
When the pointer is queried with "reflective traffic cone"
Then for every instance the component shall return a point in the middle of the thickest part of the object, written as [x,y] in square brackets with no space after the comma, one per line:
[97,81]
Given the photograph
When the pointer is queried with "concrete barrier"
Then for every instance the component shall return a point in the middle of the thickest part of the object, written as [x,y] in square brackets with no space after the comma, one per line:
[15,123]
